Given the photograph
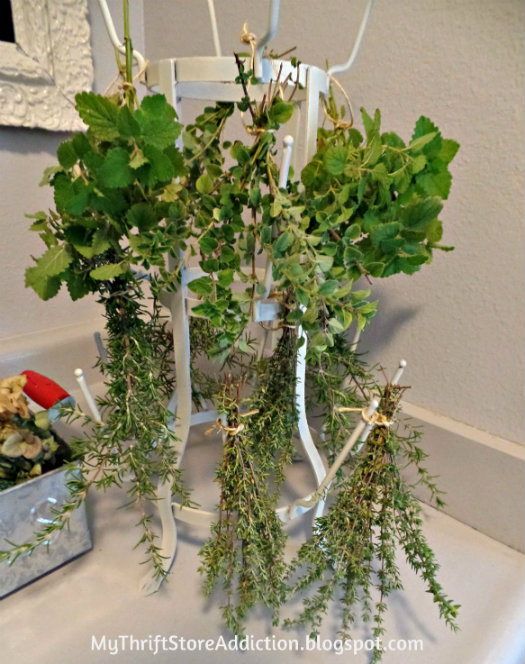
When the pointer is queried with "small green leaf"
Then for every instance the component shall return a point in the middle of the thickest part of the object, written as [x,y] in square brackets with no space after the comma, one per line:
[419,212]
[210,265]
[284,241]
[392,139]
[138,159]
[208,310]
[38,226]
[54,261]
[436,183]
[373,150]
[310,172]
[355,137]
[142,216]
[77,284]
[177,160]
[48,175]
[335,159]
[380,174]
[352,254]
[228,255]
[41,221]
[280,111]
[127,125]
[371,126]
[325,262]
[434,232]
[302,297]
[116,172]
[96,245]
[81,145]
[418,163]
[353,232]
[383,232]
[320,341]
[363,182]
[44,287]
[161,165]
[328,287]
[204,184]
[335,326]
[448,150]
[225,277]
[202,286]
[419,143]
[295,316]
[240,153]
[170,193]
[254,196]
[67,157]
[423,127]
[99,113]
[208,244]
[157,121]
[109,271]
[375,268]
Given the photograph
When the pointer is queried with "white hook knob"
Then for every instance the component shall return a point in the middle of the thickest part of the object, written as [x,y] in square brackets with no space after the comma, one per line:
[79,375]
[397,376]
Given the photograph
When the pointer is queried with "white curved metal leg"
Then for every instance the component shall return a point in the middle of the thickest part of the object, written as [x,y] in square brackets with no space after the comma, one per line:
[181,427]
[310,450]
[181,339]
[149,582]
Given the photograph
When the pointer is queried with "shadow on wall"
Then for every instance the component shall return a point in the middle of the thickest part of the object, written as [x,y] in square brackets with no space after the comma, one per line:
[391,318]
[22,140]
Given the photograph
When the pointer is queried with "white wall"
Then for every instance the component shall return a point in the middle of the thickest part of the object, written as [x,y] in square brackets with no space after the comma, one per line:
[459,322]
[24,153]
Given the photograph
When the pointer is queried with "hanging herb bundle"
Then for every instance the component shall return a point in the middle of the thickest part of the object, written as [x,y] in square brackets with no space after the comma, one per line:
[131,211]
[246,549]
[351,556]
[245,553]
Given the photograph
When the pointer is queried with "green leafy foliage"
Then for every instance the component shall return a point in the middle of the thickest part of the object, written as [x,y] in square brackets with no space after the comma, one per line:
[132,206]
[369,208]
[110,180]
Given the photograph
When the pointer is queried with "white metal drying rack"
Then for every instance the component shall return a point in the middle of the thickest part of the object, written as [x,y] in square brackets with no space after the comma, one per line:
[213,79]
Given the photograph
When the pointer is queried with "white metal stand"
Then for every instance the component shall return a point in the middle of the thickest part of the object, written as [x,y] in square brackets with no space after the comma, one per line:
[213,79]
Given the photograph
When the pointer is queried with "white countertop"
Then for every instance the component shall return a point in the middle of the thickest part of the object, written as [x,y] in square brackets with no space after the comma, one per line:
[53,620]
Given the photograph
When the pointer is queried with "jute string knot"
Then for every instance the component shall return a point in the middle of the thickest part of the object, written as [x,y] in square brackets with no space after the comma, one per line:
[341,124]
[249,38]
[378,419]
[119,85]
[219,425]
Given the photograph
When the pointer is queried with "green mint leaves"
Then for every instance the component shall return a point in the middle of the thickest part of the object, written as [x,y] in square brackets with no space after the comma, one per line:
[110,181]
[127,197]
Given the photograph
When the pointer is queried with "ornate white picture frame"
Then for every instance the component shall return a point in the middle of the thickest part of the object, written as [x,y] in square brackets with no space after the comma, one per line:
[49,63]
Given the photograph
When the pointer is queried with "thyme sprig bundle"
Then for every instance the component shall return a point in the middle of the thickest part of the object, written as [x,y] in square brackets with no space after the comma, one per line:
[351,556]
[246,548]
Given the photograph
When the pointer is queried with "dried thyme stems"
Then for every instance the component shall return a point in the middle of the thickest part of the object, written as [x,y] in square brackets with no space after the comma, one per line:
[350,557]
[245,552]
